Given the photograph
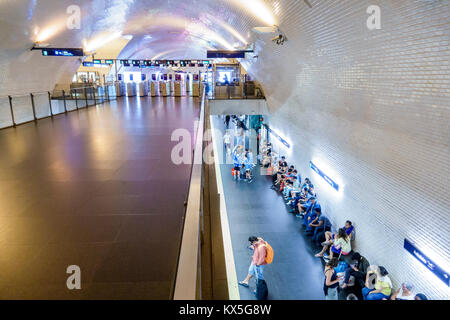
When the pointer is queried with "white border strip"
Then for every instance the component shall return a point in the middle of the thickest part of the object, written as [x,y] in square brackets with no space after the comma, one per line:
[233,290]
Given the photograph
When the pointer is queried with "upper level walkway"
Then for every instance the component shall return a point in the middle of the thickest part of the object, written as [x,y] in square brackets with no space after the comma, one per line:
[94,188]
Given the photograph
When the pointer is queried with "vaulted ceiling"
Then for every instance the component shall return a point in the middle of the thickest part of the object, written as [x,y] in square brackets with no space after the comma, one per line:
[164,29]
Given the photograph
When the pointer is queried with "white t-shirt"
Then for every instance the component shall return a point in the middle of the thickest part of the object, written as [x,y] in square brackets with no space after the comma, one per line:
[404,297]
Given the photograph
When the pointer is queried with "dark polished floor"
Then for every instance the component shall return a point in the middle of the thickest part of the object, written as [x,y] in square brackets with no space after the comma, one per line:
[255,209]
[94,188]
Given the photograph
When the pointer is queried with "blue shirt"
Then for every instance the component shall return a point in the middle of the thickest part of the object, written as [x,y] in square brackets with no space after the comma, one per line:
[310,207]
[325,222]
[236,160]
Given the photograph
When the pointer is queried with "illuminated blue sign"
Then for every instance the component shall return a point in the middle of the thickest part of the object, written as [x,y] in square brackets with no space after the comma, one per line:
[63,52]
[324,176]
[419,255]
[277,136]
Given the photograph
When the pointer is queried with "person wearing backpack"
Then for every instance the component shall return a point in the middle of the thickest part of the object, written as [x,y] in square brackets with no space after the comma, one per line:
[262,255]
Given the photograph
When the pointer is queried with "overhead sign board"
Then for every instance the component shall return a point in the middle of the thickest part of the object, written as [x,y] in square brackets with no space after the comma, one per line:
[427,262]
[211,54]
[324,176]
[62,52]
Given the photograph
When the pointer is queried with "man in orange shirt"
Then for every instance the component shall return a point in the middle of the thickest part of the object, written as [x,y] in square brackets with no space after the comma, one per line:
[258,245]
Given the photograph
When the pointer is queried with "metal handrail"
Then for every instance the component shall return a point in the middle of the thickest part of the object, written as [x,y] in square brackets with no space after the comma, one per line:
[187,274]
[66,96]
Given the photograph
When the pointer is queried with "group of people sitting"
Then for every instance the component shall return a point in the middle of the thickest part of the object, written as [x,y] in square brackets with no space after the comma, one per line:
[243,164]
[345,269]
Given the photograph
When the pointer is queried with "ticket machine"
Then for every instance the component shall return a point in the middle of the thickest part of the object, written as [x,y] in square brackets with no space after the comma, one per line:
[131,87]
[143,86]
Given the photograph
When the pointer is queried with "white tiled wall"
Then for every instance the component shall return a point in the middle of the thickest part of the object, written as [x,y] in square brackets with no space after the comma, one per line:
[372,110]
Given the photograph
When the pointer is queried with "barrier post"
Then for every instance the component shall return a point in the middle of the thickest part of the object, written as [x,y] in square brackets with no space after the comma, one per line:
[33,107]
[64,99]
[50,103]
[85,97]
[76,99]
[12,111]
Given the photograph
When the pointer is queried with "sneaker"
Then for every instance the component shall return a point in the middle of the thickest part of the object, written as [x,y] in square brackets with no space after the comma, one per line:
[298,216]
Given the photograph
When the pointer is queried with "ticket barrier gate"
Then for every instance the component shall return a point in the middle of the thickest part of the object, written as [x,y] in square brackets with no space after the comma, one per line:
[177,89]
[131,89]
[120,88]
[153,89]
[195,89]
[143,88]
[164,88]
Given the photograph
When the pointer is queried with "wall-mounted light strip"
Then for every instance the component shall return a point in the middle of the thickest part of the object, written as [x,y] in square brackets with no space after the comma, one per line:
[419,255]
[276,135]
[324,176]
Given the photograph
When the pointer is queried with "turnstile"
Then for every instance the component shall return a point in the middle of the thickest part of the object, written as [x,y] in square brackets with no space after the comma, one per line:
[131,89]
[153,89]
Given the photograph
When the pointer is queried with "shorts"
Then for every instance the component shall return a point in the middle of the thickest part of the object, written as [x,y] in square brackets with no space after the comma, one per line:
[256,271]
[237,168]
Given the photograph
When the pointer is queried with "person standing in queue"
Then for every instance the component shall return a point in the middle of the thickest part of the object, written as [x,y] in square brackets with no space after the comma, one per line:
[227,121]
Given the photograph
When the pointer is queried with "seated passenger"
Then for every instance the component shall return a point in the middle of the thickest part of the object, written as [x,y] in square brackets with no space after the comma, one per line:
[321,225]
[341,244]
[420,296]
[349,230]
[357,269]
[311,205]
[311,222]
[405,292]
[243,175]
[299,201]
[383,285]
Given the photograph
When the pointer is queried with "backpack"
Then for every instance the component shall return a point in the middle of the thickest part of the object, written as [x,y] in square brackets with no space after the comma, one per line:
[261,290]
[269,253]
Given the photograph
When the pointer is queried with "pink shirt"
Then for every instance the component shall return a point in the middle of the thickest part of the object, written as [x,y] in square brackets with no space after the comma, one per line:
[259,254]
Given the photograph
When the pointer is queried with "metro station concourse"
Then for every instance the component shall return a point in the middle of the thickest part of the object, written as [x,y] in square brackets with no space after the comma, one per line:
[224,150]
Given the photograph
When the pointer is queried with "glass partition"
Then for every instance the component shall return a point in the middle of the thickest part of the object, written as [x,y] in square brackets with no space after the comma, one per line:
[58,102]
[41,105]
[5,113]
[23,111]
